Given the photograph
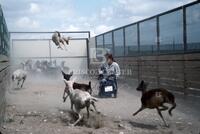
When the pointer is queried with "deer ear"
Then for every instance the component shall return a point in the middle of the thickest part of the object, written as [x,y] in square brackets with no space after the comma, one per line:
[142,82]
[71,73]
[89,83]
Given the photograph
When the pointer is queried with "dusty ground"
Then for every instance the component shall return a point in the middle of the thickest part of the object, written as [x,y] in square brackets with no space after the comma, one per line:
[38,109]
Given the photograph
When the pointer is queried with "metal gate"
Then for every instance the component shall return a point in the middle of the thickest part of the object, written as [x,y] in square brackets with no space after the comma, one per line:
[38,46]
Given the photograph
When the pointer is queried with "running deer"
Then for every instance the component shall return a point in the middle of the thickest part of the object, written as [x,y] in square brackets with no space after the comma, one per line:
[155,98]
[80,99]
[80,86]
[19,75]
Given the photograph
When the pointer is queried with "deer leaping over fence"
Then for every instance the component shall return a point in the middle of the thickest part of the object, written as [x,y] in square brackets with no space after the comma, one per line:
[58,40]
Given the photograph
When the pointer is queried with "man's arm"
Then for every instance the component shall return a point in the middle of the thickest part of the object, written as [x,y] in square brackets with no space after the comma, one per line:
[118,71]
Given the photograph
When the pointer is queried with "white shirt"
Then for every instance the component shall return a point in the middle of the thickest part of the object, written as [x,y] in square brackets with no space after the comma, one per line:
[113,69]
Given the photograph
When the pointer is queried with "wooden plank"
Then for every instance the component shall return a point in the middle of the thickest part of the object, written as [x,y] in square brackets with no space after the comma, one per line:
[189,64]
[172,88]
[192,78]
[146,58]
[172,75]
[149,73]
[194,84]
[193,92]
[148,78]
[147,69]
[171,57]
[192,72]
[172,82]
[194,56]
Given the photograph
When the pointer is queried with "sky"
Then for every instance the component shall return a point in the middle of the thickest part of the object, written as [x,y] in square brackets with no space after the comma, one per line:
[97,16]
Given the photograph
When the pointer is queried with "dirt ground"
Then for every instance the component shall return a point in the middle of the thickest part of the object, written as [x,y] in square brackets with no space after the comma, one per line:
[38,108]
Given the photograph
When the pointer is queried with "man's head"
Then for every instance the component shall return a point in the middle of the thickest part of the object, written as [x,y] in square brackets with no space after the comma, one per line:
[106,56]
[110,59]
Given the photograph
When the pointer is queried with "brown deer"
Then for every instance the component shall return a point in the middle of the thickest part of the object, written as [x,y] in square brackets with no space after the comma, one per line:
[155,98]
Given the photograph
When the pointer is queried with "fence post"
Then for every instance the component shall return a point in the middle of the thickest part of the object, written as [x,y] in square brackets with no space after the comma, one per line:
[158,51]
[185,49]
[139,74]
[138,58]
[50,51]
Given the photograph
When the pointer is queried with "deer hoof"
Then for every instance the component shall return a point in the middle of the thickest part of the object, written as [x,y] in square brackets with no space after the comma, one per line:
[71,125]
[91,110]
[98,112]
[166,125]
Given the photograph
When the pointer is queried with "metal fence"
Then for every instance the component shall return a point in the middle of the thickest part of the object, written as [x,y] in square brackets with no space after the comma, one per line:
[4,64]
[163,50]
[4,35]
[172,32]
[38,47]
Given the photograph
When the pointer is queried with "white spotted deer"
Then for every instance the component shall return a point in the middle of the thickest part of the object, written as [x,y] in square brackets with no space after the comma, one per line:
[80,99]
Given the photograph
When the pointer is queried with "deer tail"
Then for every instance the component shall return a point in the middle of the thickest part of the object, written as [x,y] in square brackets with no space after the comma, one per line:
[171,99]
[13,77]
[94,99]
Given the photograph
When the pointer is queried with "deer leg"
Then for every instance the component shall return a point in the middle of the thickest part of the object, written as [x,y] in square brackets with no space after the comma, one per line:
[88,112]
[163,108]
[139,110]
[18,82]
[160,114]
[72,106]
[60,47]
[65,47]
[23,82]
[94,106]
[87,103]
[64,97]
[78,120]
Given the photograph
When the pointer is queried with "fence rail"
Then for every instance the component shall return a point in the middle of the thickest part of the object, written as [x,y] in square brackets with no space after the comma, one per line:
[171,32]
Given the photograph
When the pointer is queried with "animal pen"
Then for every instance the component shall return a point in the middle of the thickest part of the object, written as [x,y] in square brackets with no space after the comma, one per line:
[162,51]
[39,46]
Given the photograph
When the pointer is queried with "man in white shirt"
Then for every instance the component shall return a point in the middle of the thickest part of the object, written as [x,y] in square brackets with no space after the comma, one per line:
[112,72]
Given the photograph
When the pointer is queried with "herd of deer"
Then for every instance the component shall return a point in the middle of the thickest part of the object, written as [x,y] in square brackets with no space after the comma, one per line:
[80,96]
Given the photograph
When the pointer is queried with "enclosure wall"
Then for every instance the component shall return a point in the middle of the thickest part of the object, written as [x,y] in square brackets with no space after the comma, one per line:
[163,49]
[4,64]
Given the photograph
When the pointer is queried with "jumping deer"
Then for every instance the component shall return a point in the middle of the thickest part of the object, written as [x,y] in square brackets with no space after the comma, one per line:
[58,40]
